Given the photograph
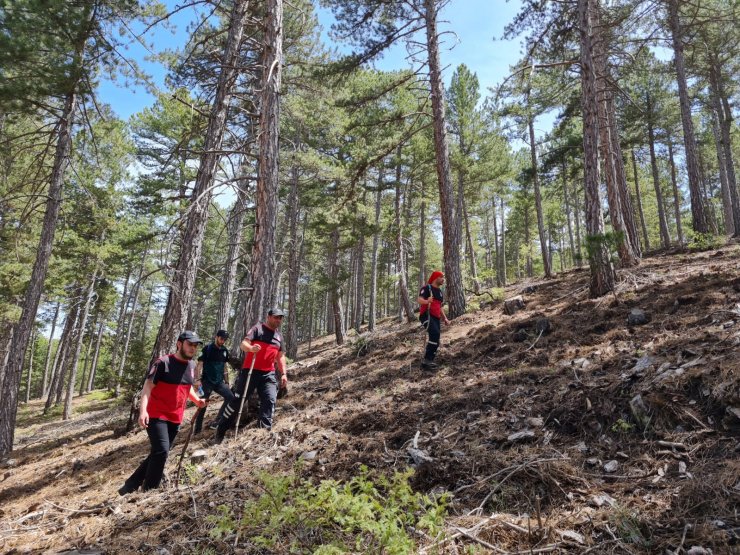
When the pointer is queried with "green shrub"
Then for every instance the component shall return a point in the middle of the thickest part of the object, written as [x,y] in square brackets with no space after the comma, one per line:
[296,516]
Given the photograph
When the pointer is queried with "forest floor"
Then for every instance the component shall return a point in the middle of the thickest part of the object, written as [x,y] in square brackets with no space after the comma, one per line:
[591,437]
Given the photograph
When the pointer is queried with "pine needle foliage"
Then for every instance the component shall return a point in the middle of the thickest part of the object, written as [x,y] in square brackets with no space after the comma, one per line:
[366,515]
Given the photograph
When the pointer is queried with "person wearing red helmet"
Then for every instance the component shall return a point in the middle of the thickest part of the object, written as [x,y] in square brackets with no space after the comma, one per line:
[431,314]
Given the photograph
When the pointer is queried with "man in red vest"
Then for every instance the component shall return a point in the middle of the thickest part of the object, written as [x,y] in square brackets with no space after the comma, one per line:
[167,388]
[430,313]
[263,343]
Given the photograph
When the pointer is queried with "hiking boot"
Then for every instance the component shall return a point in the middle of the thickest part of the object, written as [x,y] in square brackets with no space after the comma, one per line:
[218,439]
[125,489]
[429,365]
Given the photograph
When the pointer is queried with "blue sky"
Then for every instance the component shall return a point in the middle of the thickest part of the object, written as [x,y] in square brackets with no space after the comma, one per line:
[477,26]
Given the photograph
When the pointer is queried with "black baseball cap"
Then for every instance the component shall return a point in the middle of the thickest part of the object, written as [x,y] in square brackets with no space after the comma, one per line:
[222,333]
[275,311]
[189,336]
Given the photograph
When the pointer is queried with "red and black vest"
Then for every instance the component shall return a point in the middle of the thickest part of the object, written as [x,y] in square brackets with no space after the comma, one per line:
[172,378]
[435,309]
[271,343]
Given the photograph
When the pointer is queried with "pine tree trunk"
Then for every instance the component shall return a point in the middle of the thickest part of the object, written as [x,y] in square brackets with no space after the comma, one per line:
[127,331]
[335,291]
[724,187]
[266,195]
[44,383]
[60,362]
[450,237]
[538,195]
[94,365]
[90,341]
[638,199]
[724,114]
[698,209]
[32,348]
[403,290]
[14,367]
[602,272]
[503,243]
[125,298]
[628,211]
[499,276]
[374,258]
[665,239]
[676,201]
[182,285]
[577,218]
[228,283]
[422,237]
[82,325]
[609,151]
[566,201]
[294,266]
[359,302]
[470,249]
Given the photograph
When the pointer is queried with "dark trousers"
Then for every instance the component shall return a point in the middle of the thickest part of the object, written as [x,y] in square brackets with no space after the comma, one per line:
[208,388]
[149,474]
[433,328]
[266,385]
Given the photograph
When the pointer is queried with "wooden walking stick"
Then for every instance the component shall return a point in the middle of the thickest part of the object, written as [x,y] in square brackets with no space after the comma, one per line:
[185,447]
[244,395]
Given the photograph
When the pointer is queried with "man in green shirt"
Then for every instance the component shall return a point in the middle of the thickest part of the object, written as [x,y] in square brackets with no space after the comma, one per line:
[211,373]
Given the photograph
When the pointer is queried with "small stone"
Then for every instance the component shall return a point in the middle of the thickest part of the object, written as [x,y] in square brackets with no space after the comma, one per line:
[525,435]
[637,317]
[572,535]
[535,421]
[10,463]
[697,550]
[640,411]
[681,467]
[513,305]
[611,466]
[582,447]
[602,499]
[199,455]
[419,456]
[592,461]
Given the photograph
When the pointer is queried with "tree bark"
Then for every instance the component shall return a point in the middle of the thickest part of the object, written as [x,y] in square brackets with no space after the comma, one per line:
[503,243]
[638,199]
[44,383]
[335,291]
[294,265]
[125,299]
[90,341]
[537,194]
[60,361]
[403,290]
[665,239]
[676,201]
[129,327]
[228,283]
[698,209]
[78,349]
[422,237]
[32,347]
[263,251]
[374,258]
[566,201]
[450,237]
[94,365]
[183,281]
[726,199]
[14,368]
[359,290]
[724,115]
[602,272]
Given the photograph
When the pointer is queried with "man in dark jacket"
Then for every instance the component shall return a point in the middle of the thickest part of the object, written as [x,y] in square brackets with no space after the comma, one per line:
[430,313]
[263,343]
[211,373]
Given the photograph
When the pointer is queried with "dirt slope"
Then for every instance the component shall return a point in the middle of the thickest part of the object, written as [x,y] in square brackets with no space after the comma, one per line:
[591,437]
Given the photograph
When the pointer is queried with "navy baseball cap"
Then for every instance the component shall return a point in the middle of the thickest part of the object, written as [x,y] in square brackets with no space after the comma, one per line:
[222,333]
[189,336]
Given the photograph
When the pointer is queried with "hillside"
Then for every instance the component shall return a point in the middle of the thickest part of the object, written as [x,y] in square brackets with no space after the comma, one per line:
[577,434]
